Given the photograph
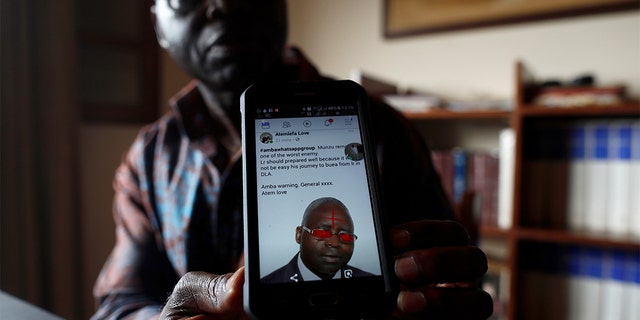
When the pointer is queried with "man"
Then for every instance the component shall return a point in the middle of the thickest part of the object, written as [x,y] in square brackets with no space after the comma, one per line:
[178,191]
[326,242]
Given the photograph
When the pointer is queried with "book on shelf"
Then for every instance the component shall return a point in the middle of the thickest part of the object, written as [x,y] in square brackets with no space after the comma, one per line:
[619,170]
[544,178]
[483,181]
[566,97]
[545,296]
[576,177]
[464,171]
[506,172]
[591,273]
[459,174]
[575,285]
[596,175]
[634,181]
[443,163]
[613,289]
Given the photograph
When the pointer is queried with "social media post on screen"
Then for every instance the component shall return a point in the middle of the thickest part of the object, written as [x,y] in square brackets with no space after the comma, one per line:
[300,160]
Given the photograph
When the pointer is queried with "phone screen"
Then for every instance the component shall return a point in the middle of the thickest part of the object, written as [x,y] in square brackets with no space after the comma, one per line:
[306,155]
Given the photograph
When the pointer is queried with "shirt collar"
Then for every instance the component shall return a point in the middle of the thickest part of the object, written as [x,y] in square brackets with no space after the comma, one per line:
[308,275]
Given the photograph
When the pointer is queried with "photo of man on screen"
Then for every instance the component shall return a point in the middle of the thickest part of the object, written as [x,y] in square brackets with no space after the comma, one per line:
[326,242]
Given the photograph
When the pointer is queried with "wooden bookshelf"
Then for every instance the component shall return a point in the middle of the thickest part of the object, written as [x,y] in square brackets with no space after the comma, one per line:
[526,238]
[444,114]
[493,231]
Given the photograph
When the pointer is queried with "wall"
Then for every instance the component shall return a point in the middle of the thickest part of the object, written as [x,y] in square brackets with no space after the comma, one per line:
[342,35]
[101,147]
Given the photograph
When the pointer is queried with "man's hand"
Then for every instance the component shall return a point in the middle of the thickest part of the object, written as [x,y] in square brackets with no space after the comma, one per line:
[439,273]
[200,295]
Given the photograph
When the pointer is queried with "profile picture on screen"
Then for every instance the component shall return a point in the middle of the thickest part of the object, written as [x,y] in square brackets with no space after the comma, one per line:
[266,138]
[354,151]
[326,242]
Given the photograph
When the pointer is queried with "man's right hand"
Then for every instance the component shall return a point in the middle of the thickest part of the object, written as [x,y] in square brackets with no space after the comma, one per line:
[201,295]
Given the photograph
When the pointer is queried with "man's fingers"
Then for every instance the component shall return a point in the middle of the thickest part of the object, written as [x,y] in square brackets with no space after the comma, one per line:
[441,265]
[201,293]
[445,303]
[427,234]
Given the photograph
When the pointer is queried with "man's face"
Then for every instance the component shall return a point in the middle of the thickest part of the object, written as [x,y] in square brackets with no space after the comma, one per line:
[226,44]
[325,256]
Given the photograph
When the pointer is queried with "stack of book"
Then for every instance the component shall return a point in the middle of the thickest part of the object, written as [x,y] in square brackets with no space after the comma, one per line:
[582,283]
[470,171]
[566,97]
[583,176]
[603,189]
[488,175]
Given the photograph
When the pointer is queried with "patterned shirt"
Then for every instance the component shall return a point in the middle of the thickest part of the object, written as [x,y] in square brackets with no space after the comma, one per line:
[178,198]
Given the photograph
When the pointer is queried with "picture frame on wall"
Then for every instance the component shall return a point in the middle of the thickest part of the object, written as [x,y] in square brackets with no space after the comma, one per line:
[411,17]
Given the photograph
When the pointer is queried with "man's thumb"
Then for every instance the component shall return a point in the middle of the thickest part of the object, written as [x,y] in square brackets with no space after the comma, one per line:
[201,293]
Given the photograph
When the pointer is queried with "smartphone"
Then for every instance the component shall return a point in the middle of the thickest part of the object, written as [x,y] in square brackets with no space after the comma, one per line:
[314,235]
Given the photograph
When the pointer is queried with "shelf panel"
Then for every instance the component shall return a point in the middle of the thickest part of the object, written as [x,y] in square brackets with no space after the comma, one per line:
[626,109]
[487,231]
[584,238]
[452,115]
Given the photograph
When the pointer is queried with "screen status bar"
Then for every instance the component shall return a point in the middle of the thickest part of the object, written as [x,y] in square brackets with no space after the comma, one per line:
[304,111]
